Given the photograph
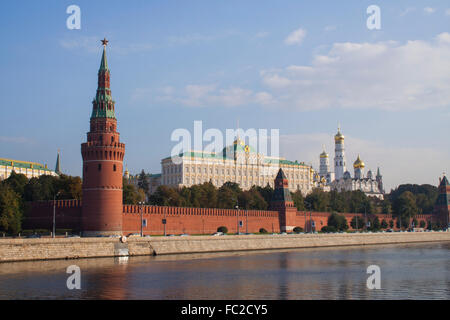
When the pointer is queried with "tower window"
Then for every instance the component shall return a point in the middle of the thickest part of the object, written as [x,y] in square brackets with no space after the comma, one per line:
[99,167]
[114,167]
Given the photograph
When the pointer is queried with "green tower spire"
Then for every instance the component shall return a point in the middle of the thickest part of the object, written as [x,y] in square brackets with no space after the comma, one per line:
[104,63]
[103,104]
[58,164]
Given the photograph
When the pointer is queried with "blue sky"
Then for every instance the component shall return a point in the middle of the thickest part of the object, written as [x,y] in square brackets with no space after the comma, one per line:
[297,66]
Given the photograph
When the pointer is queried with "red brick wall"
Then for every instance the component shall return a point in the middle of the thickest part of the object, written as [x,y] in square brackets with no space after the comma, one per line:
[196,220]
[179,220]
[40,215]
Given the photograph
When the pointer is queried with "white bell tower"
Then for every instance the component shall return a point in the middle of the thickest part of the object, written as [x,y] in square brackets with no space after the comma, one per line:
[339,156]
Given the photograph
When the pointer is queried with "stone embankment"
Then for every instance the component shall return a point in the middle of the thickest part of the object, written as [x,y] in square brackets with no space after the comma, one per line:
[74,248]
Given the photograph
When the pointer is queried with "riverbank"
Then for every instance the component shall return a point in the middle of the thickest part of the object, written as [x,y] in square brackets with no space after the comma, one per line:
[75,248]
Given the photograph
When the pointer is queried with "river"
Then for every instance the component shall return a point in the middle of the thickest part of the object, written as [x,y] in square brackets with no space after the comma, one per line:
[415,271]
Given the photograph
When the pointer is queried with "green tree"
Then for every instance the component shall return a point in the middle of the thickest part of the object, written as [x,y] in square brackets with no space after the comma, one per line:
[386,207]
[10,210]
[375,223]
[266,192]
[357,223]
[337,201]
[17,182]
[143,182]
[69,187]
[405,207]
[298,200]
[131,195]
[337,221]
[318,199]
[384,224]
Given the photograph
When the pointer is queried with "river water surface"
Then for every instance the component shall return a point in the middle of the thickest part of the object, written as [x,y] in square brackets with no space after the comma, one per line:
[416,271]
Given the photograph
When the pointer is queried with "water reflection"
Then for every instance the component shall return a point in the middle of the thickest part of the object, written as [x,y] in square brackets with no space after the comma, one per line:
[419,271]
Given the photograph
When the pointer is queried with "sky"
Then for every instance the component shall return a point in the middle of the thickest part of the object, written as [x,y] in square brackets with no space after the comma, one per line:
[302,67]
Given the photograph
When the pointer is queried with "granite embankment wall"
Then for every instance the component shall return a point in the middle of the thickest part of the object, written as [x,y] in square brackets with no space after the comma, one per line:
[73,248]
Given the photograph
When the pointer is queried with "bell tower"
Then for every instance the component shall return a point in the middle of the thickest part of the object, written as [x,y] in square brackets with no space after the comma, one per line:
[102,163]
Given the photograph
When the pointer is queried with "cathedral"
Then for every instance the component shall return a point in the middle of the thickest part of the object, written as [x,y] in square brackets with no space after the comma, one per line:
[342,180]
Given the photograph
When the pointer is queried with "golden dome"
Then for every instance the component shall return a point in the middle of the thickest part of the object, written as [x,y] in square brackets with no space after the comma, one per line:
[324,154]
[358,163]
[339,136]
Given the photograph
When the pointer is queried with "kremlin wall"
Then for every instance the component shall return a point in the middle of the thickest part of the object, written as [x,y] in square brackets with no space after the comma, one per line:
[182,220]
[101,213]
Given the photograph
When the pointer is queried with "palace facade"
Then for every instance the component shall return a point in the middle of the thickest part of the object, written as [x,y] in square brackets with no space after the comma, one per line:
[29,169]
[238,163]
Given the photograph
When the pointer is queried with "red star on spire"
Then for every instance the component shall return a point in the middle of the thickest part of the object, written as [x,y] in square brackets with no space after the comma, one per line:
[104,41]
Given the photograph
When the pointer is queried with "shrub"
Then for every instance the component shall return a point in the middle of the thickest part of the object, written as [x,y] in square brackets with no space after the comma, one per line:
[328,229]
[262,230]
[298,229]
[422,224]
[337,221]
[222,229]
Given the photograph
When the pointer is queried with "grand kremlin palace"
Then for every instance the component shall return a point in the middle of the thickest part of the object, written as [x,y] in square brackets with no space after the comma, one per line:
[238,163]
[29,169]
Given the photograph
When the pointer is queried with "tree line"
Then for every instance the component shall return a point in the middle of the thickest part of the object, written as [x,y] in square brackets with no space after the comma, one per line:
[17,191]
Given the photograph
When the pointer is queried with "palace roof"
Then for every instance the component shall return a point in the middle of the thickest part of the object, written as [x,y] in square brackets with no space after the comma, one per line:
[23,164]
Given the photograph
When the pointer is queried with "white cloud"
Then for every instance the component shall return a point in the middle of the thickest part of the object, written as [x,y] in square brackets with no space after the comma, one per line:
[399,164]
[447,12]
[382,75]
[209,95]
[90,44]
[330,28]
[429,10]
[295,37]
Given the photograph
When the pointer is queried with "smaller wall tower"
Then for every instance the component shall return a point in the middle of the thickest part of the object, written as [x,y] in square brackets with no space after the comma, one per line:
[282,202]
[442,205]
